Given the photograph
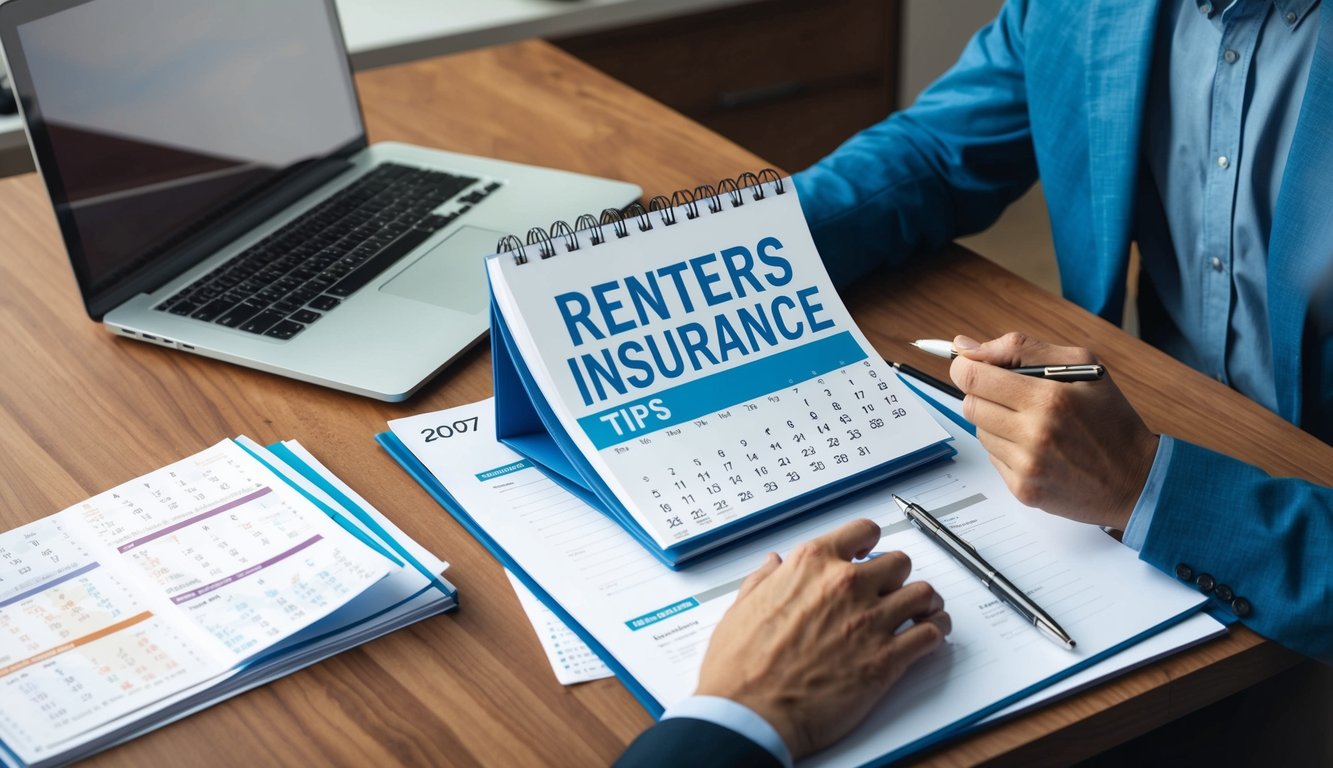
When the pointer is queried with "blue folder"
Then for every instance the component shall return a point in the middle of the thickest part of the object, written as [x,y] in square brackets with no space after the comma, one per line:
[405,458]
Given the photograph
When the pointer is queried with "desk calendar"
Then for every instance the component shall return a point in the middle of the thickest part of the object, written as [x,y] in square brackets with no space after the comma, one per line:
[187,585]
[692,371]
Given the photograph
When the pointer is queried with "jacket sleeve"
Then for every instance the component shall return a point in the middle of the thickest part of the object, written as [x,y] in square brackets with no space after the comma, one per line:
[1239,534]
[945,167]
[681,742]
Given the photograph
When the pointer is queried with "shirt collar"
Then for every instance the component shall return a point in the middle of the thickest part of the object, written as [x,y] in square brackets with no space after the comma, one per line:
[1292,12]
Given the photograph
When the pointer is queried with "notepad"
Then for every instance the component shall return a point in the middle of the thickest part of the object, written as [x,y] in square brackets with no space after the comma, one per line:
[188,585]
[692,372]
[651,625]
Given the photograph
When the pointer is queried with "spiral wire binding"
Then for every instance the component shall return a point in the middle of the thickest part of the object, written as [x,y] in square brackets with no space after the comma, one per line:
[616,219]
[663,206]
[638,211]
[728,190]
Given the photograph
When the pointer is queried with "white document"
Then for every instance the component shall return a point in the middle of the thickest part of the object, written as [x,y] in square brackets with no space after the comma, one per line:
[656,623]
[573,661]
[707,368]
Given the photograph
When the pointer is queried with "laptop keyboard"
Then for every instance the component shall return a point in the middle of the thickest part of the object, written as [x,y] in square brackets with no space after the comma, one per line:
[290,279]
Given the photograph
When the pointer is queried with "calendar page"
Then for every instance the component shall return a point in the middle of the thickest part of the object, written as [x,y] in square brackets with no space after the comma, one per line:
[706,367]
[158,585]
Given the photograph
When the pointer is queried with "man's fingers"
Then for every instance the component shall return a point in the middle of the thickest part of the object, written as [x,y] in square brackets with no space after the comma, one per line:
[922,637]
[941,619]
[1014,349]
[981,369]
[912,600]
[1001,449]
[886,572]
[1006,351]
[770,564]
[998,385]
[1018,477]
[851,540]
[992,417]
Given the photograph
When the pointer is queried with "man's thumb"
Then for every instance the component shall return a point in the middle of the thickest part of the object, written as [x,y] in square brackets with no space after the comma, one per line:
[1006,351]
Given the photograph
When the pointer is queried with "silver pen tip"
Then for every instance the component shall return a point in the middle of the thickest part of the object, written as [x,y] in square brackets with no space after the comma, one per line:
[1059,637]
[899,501]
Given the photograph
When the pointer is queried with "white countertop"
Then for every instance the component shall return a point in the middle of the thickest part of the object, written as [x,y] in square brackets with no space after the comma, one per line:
[383,32]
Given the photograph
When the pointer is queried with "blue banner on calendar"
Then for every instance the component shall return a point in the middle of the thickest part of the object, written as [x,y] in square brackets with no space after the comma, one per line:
[720,391]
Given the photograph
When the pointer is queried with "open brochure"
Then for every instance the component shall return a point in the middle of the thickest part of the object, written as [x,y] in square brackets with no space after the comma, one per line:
[187,585]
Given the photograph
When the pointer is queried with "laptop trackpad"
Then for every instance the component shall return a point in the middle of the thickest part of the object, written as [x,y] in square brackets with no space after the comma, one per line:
[452,274]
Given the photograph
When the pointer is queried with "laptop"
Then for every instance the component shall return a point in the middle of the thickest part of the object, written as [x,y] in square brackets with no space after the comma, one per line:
[210,174]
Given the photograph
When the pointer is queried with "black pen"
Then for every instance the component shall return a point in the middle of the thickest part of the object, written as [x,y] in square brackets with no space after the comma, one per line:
[943,386]
[970,559]
[1085,372]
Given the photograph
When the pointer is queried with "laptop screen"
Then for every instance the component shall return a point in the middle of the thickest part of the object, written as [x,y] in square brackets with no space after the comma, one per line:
[154,121]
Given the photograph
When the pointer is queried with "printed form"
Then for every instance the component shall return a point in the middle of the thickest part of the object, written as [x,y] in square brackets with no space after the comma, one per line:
[656,622]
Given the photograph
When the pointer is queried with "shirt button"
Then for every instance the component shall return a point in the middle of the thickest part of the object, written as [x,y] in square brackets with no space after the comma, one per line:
[1230,56]
[1216,264]
[1222,161]
[1206,8]
[1290,17]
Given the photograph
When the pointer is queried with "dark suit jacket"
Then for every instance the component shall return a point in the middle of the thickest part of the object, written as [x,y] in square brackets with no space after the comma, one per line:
[682,742]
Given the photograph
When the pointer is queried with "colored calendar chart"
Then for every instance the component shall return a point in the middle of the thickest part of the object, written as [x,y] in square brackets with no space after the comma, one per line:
[163,589]
[77,645]
[696,372]
[233,548]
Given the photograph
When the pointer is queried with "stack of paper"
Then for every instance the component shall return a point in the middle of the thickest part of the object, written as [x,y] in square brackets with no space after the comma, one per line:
[188,585]
[651,625]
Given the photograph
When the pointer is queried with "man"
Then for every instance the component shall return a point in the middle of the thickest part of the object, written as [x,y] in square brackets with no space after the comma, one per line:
[1203,130]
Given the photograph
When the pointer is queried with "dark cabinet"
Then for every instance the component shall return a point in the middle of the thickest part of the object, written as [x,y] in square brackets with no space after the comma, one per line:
[788,80]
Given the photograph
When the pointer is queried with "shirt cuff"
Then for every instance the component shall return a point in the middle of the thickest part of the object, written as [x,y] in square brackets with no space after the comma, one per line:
[1136,531]
[736,717]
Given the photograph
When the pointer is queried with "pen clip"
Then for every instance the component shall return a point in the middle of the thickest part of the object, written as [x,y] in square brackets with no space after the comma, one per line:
[1090,368]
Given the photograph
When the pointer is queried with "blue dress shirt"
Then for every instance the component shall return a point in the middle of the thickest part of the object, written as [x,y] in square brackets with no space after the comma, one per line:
[1215,147]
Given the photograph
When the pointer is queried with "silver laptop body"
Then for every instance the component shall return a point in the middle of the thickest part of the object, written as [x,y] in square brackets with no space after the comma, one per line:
[176,137]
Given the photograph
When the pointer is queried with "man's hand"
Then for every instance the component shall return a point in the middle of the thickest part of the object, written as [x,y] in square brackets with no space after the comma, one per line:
[1078,450]
[809,644]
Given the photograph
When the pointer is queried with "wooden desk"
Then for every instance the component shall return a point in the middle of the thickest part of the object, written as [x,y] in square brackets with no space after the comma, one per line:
[81,411]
